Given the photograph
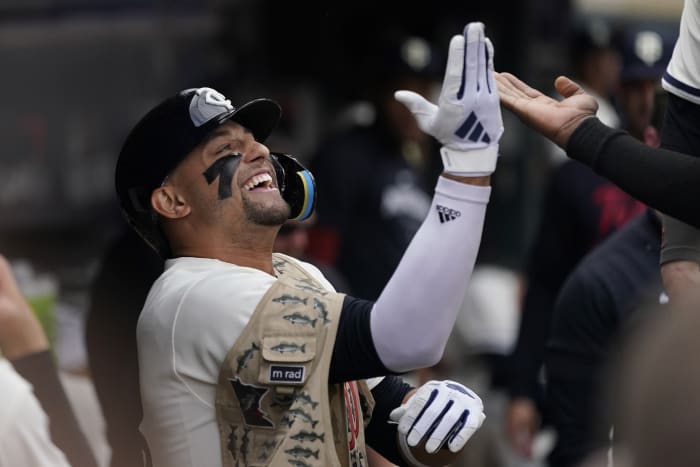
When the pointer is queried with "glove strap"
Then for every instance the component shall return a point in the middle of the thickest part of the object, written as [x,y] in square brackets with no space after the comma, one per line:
[470,162]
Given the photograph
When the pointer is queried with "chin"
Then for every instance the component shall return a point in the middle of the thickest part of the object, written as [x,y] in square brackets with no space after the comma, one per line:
[272,214]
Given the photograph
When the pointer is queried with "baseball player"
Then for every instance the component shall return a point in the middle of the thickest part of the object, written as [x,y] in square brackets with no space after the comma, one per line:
[248,357]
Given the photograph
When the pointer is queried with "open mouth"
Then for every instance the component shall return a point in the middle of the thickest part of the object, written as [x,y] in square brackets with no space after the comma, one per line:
[259,182]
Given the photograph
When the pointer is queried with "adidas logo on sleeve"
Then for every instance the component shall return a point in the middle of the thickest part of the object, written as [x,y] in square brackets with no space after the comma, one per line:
[447,214]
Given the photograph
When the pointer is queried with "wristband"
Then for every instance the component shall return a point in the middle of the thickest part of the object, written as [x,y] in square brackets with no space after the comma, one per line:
[471,162]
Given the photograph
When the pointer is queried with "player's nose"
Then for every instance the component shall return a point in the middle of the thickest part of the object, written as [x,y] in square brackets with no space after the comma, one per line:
[256,152]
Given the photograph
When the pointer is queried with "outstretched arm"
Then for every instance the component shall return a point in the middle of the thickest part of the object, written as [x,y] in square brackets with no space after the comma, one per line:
[416,311]
[665,180]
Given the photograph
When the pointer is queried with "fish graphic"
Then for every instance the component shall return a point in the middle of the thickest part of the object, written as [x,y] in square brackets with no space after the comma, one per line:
[306,399]
[247,355]
[285,347]
[298,451]
[287,299]
[232,438]
[311,288]
[308,436]
[322,310]
[300,414]
[245,445]
[298,318]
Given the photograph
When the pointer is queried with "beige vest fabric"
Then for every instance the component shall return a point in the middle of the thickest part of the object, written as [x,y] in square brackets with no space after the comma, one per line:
[274,404]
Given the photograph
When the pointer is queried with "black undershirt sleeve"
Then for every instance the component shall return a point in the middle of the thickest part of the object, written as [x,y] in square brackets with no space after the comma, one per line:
[380,435]
[665,180]
[354,355]
[39,369]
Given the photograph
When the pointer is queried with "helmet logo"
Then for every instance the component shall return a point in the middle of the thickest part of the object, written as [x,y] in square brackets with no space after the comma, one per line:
[206,104]
[648,46]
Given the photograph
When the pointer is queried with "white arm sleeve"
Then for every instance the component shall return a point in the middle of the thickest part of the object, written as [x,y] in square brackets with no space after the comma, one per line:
[415,313]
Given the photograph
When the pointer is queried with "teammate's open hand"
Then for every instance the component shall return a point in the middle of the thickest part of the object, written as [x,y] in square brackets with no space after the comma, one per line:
[467,120]
[556,120]
[442,411]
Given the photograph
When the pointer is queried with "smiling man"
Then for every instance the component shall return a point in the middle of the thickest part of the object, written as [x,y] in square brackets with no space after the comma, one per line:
[249,357]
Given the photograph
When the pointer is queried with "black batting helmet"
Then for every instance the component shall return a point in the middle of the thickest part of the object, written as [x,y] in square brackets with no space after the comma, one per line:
[171,130]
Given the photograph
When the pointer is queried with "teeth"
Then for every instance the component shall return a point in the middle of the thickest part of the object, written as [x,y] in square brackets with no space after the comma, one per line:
[257,180]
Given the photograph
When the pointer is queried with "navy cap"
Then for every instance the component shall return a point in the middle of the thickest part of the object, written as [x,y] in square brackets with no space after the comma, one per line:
[645,54]
[171,130]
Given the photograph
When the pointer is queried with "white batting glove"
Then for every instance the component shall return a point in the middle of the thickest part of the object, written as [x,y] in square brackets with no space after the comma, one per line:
[467,120]
[445,411]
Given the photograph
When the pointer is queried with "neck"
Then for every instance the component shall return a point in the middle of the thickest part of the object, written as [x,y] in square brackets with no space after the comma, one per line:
[251,249]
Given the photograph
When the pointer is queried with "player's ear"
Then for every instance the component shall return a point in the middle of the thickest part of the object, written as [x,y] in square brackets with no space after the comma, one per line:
[167,202]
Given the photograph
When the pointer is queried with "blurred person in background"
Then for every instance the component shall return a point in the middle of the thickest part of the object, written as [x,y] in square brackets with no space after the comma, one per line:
[127,270]
[37,424]
[24,427]
[596,62]
[601,300]
[657,366]
[606,290]
[581,210]
[371,219]
[680,253]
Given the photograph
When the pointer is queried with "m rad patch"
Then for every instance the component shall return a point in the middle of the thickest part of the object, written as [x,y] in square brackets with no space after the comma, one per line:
[289,374]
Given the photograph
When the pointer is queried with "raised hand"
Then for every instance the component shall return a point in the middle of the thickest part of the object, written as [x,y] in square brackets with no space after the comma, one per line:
[554,119]
[467,119]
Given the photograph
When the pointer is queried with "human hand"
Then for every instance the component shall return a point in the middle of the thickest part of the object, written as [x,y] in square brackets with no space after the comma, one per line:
[522,421]
[441,411]
[20,331]
[554,119]
[467,120]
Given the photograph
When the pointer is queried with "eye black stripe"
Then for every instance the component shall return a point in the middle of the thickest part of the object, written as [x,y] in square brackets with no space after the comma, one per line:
[223,169]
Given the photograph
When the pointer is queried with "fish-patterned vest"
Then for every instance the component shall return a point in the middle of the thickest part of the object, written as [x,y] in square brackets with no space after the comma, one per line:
[274,405]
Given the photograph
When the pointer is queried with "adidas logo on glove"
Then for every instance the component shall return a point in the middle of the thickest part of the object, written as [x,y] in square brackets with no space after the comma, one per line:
[447,214]
[478,134]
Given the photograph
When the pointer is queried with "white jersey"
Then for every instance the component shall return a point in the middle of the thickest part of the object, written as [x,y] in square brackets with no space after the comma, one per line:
[193,315]
[682,76]
[24,427]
